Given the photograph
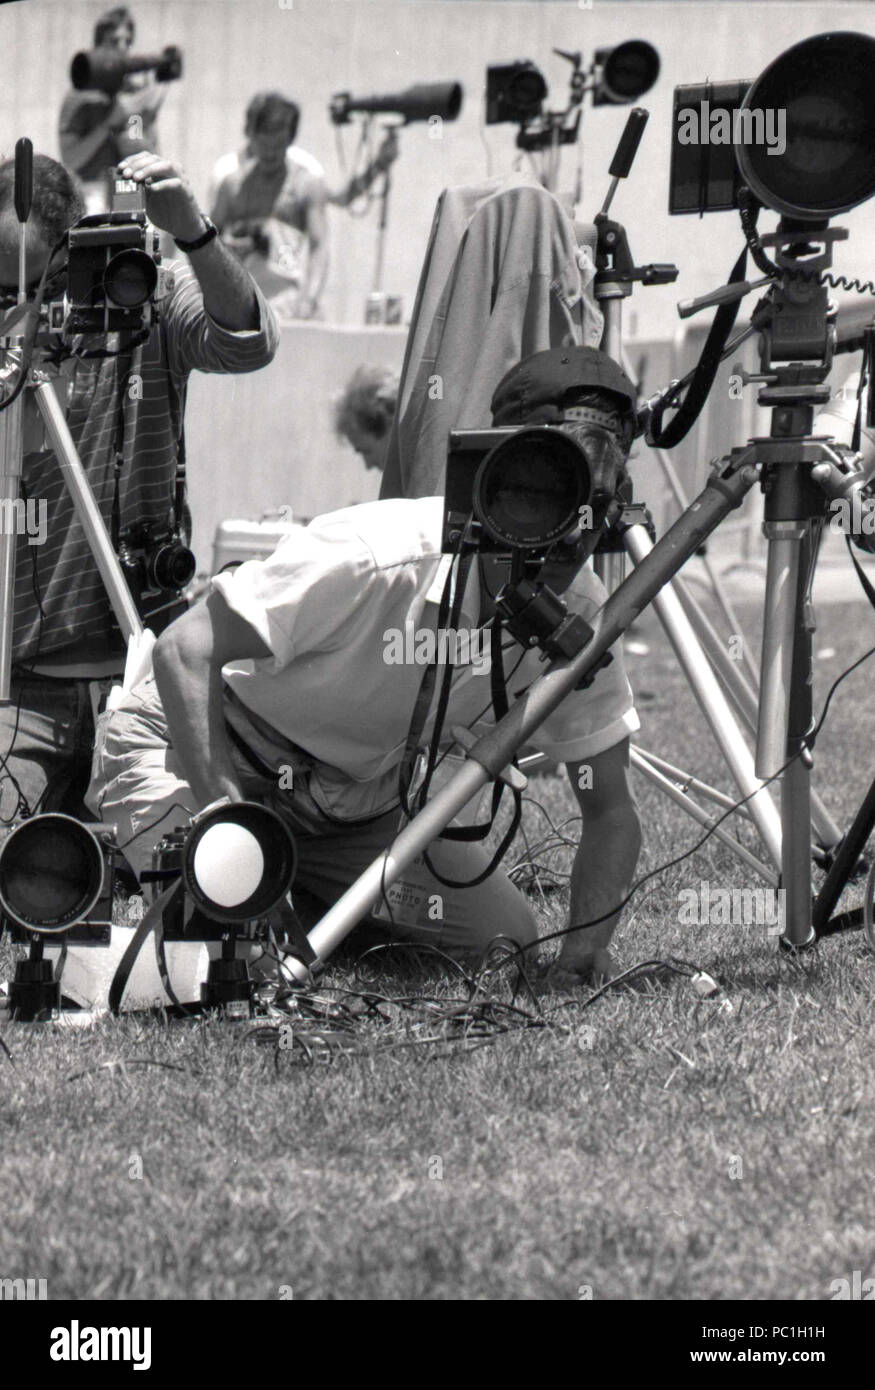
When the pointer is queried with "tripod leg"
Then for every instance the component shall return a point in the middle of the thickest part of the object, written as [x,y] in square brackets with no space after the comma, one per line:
[701,816]
[745,700]
[796,780]
[10,499]
[712,700]
[88,513]
[852,847]
[779,626]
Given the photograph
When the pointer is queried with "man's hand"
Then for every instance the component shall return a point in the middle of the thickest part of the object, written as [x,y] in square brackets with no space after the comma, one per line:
[387,153]
[170,202]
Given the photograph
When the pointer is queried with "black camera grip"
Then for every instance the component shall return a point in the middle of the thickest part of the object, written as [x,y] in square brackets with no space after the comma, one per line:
[629,142]
[23,178]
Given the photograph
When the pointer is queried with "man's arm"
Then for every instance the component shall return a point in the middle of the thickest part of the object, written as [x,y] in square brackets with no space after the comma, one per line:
[604,864]
[188,661]
[317,241]
[228,291]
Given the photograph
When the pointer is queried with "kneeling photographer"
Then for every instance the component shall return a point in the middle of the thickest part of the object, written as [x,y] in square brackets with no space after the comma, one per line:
[299,682]
[123,394]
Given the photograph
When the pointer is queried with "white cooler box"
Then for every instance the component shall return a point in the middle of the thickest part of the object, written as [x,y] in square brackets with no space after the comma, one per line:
[239,540]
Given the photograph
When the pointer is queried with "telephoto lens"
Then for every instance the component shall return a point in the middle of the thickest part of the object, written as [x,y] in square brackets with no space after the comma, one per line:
[529,489]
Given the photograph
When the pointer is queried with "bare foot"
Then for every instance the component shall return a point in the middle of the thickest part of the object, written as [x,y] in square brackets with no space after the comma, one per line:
[590,971]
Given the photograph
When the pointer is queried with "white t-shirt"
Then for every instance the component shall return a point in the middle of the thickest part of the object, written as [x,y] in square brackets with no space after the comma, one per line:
[334,604]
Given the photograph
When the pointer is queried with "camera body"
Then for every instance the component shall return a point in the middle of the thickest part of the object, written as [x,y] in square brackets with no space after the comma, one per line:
[466,452]
[525,487]
[515,92]
[114,272]
[157,566]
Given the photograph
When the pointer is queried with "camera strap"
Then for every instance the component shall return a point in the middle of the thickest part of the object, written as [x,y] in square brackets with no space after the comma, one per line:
[152,921]
[704,375]
[425,695]
[421,709]
[125,375]
[123,381]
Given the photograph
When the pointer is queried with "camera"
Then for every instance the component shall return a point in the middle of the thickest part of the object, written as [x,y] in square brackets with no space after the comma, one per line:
[114,271]
[419,103]
[520,489]
[57,875]
[516,92]
[799,137]
[105,71]
[157,566]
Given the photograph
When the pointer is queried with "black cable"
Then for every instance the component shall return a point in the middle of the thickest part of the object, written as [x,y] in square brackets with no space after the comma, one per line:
[175,806]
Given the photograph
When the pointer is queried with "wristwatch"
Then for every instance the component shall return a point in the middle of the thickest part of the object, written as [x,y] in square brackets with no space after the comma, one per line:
[207,236]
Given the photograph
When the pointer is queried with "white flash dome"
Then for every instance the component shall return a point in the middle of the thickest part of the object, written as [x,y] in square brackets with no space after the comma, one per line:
[228,864]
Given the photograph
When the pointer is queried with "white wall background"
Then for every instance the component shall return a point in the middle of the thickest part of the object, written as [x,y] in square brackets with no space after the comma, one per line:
[312,48]
[266,441]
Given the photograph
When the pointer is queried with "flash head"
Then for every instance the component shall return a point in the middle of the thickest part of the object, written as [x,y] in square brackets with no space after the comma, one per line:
[238,861]
[530,487]
[826,87]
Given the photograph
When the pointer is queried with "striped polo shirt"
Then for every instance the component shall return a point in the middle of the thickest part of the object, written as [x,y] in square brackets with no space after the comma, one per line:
[148,385]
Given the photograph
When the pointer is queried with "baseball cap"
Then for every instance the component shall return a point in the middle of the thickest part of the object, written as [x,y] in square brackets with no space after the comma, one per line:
[536,390]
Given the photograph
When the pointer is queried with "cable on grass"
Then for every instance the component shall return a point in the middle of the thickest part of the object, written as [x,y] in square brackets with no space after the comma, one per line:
[122,1064]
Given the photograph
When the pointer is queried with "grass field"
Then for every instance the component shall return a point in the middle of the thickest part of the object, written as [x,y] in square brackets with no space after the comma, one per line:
[653,1145]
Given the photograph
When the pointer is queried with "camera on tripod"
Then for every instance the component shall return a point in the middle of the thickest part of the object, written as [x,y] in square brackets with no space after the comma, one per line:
[157,565]
[521,490]
[516,92]
[801,137]
[114,273]
[518,493]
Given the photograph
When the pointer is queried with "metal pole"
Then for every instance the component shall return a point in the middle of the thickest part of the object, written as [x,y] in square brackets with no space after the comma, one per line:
[381,231]
[10,495]
[88,512]
[779,625]
[11,432]
[712,701]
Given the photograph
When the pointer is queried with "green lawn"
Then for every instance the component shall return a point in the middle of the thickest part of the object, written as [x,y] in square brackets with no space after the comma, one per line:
[653,1145]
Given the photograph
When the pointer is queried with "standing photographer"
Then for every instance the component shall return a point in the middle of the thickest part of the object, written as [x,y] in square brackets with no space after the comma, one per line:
[96,130]
[64,638]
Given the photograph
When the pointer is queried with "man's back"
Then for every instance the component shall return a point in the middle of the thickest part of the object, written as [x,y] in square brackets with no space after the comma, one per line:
[348,607]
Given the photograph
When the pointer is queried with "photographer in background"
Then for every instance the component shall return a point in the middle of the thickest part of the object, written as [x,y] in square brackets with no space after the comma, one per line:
[127,404]
[321,698]
[365,411]
[269,199]
[95,130]
[269,206]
